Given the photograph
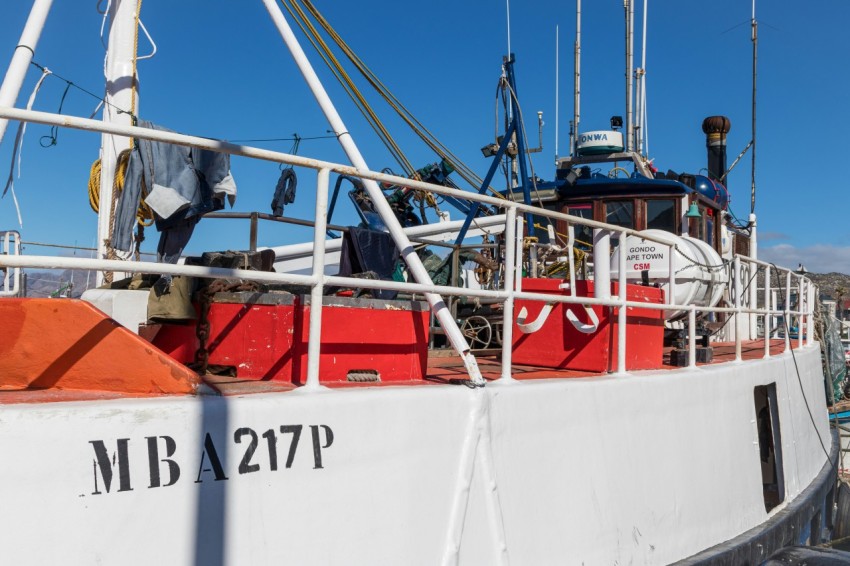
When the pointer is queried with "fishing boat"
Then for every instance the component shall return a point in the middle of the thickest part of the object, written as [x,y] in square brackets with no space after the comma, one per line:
[638,398]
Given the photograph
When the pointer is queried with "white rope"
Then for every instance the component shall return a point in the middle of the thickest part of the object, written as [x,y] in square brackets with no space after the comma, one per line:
[18,149]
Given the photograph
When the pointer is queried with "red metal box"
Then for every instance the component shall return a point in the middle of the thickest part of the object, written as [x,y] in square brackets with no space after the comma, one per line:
[559,344]
[264,337]
[366,337]
[251,332]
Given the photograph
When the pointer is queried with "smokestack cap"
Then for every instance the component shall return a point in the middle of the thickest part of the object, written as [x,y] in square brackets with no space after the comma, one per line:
[716,125]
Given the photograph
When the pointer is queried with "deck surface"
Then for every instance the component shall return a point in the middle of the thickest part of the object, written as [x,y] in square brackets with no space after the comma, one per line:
[443,368]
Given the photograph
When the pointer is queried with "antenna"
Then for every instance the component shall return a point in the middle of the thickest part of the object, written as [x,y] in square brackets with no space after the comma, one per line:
[755,40]
[508,10]
[630,13]
[576,81]
[641,137]
[557,131]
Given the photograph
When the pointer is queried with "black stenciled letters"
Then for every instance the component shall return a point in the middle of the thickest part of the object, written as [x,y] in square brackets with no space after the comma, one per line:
[215,462]
[317,447]
[154,460]
[271,438]
[296,434]
[245,466]
[106,467]
[164,465]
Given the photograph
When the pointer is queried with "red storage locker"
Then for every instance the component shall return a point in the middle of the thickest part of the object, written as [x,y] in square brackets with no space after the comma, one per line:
[366,337]
[559,344]
[252,332]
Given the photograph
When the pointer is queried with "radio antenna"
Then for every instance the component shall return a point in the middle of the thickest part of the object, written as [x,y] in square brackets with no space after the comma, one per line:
[557,132]
[508,10]
[630,126]
[576,81]
[755,40]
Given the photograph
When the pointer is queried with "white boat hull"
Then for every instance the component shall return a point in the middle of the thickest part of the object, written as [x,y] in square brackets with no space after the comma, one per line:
[649,468]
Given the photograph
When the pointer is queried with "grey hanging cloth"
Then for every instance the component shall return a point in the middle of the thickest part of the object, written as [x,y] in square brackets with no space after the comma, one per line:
[183,184]
[284,191]
[364,251]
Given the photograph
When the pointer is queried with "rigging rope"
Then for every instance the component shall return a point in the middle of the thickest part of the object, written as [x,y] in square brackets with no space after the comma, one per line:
[427,136]
[345,80]
[144,215]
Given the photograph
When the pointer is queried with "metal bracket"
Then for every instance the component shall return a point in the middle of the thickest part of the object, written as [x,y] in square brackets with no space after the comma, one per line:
[533,327]
[582,327]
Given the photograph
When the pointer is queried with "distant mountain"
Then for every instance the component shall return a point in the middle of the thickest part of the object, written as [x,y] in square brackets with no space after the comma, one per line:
[829,282]
[47,283]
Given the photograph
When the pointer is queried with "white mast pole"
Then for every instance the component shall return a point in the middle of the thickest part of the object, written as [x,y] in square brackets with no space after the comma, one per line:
[119,71]
[630,14]
[641,104]
[576,81]
[508,16]
[420,274]
[557,132]
[752,219]
[22,57]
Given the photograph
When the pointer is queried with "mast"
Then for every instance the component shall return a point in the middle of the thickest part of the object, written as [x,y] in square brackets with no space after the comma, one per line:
[576,81]
[752,220]
[630,15]
[557,132]
[121,93]
[22,57]
[640,75]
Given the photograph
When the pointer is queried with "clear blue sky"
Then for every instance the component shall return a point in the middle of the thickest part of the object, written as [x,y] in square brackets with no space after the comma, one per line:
[222,71]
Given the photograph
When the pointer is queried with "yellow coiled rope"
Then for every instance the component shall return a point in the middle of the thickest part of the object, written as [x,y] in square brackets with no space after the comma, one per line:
[144,215]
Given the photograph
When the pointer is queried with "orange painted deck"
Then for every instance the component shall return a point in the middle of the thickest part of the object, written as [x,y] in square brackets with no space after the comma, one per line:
[443,368]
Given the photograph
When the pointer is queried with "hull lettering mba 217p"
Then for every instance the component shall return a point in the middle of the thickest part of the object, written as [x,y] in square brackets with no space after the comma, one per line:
[257,452]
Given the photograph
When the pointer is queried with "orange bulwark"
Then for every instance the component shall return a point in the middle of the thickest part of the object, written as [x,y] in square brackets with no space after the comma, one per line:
[68,344]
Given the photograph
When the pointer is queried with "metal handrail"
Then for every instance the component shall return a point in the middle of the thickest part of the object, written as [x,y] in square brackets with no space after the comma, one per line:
[512,285]
[10,244]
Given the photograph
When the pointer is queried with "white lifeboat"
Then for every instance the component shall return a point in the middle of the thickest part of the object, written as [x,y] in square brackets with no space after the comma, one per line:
[700,271]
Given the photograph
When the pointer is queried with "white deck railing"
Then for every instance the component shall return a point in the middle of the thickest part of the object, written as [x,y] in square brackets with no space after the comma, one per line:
[745,302]
[10,244]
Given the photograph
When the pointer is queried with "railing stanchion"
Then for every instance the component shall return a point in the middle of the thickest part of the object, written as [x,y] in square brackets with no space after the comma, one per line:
[509,277]
[692,336]
[317,292]
[252,238]
[623,310]
[802,319]
[768,319]
[737,315]
[518,274]
[601,267]
[671,284]
[787,315]
[571,257]
[752,299]
[811,313]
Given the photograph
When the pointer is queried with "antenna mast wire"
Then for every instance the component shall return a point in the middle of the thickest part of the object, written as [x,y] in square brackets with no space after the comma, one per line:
[576,81]
[557,132]
[755,40]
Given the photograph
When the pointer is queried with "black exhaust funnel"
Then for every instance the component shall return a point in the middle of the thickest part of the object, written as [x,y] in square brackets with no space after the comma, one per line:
[715,129]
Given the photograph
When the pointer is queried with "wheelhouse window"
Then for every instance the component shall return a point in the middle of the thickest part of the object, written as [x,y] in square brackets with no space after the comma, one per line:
[620,213]
[583,234]
[661,215]
[542,223]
